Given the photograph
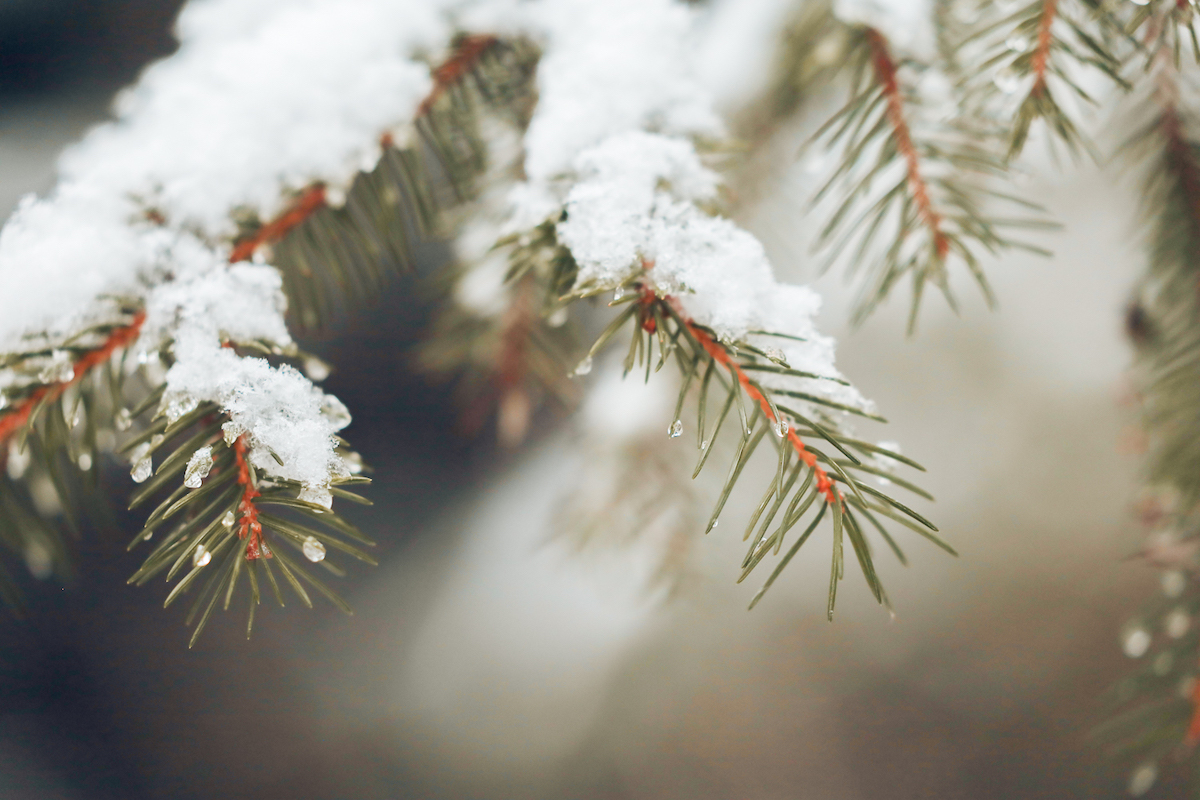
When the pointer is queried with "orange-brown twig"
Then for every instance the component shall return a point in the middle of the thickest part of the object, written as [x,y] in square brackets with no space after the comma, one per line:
[1041,56]
[461,62]
[304,207]
[464,58]
[12,422]
[248,524]
[721,356]
[885,75]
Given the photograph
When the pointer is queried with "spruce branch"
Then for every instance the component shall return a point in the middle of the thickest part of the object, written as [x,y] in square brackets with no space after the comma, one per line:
[908,206]
[807,478]
[1024,57]
[1155,711]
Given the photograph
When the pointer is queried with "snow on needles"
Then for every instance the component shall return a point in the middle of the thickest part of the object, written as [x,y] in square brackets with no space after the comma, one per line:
[264,97]
[634,181]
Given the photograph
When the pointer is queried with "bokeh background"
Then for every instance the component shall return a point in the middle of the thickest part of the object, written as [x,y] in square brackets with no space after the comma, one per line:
[484,663]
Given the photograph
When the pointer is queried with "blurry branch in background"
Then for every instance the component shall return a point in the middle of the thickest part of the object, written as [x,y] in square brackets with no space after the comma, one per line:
[1019,63]
[1155,711]
[909,201]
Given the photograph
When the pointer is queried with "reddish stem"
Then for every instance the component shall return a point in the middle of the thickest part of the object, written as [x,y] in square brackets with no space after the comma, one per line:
[464,58]
[462,61]
[721,356]
[304,207]
[1041,56]
[248,524]
[11,422]
[885,75]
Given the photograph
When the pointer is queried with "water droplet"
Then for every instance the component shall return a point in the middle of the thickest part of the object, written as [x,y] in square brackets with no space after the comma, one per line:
[1007,81]
[1144,776]
[123,420]
[1017,43]
[319,495]
[316,369]
[59,369]
[676,429]
[38,560]
[781,428]
[198,467]
[142,468]
[715,523]
[18,460]
[1136,641]
[1173,583]
[228,520]
[335,197]
[76,417]
[84,461]
[775,354]
[335,412]
[231,431]
[202,556]
[1177,623]
[354,463]
[704,445]
[584,367]
[619,294]
[314,551]
[558,318]
[178,405]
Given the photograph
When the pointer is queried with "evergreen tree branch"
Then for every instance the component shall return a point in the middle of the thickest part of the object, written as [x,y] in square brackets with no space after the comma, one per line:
[909,206]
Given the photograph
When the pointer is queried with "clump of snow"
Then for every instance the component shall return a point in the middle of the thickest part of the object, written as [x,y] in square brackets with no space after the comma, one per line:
[633,213]
[277,408]
[263,98]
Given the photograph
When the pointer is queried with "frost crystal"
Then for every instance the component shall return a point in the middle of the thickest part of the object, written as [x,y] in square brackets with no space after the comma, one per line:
[676,429]
[123,420]
[201,556]
[228,520]
[198,467]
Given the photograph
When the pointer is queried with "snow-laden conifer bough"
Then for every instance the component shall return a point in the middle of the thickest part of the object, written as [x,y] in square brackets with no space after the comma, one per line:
[282,162]
[278,169]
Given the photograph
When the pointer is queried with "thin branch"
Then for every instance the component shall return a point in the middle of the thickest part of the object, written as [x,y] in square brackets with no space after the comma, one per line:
[1041,56]
[248,524]
[885,76]
[13,421]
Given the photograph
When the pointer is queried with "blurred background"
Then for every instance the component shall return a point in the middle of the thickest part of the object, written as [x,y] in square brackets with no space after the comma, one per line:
[484,662]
